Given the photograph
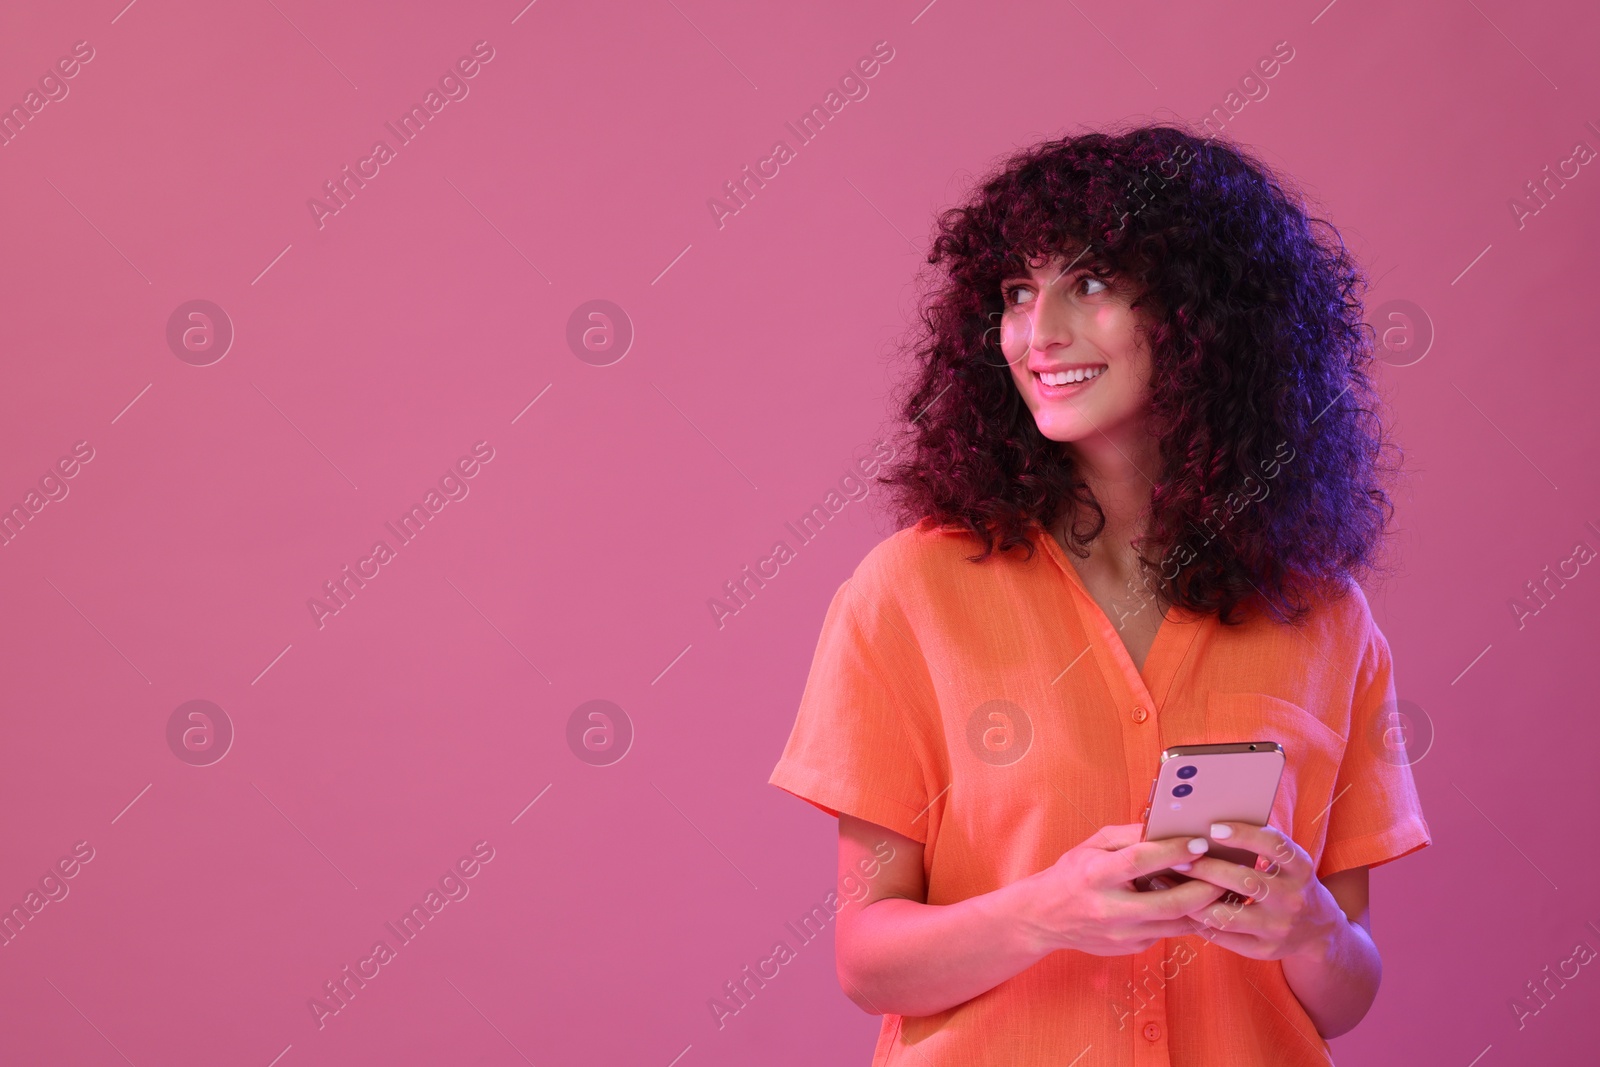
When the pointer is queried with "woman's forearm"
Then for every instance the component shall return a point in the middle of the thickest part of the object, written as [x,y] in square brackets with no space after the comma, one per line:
[910,958]
[1337,982]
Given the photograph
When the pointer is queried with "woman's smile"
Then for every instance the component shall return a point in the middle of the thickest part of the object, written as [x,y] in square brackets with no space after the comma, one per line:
[1063,384]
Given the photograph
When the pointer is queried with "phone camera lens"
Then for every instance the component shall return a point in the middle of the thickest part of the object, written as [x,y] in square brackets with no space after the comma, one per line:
[1187,772]
[1182,790]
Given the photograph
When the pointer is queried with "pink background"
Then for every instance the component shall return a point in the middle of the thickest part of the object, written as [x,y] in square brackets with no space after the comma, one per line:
[371,353]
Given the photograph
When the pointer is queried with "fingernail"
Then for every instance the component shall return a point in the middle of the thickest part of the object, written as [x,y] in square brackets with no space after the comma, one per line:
[1198,845]
[1182,866]
[1221,831]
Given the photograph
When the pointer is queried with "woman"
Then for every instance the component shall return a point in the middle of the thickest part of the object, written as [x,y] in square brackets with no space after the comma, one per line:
[1143,477]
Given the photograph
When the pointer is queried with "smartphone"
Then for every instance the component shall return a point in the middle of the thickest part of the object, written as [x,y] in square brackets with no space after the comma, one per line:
[1198,785]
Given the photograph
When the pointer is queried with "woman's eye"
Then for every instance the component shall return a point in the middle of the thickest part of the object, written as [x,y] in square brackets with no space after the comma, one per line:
[1022,294]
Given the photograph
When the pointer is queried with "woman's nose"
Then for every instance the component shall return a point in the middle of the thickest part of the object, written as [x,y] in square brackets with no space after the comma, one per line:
[1051,322]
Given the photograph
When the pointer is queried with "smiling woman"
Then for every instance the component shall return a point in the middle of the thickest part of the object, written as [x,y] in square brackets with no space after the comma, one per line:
[1070,332]
[1094,386]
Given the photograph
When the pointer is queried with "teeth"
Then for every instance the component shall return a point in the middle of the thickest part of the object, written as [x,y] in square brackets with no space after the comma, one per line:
[1070,376]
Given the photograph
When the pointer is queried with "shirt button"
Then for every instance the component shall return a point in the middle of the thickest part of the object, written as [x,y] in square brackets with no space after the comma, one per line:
[1152,1031]
[1140,715]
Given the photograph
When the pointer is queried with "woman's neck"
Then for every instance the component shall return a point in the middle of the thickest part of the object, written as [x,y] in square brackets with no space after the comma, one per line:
[1121,474]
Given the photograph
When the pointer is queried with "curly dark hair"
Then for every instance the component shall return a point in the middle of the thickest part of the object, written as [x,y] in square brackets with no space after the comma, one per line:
[1259,359]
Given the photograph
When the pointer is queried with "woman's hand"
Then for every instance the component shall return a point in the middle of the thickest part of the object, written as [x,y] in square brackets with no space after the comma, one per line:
[897,954]
[1289,913]
[1086,901]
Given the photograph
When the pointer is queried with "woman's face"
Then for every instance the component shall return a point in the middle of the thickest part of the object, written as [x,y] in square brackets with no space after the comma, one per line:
[1066,319]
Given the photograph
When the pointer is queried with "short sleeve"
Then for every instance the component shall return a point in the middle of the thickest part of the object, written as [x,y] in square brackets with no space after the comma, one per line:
[854,748]
[1375,816]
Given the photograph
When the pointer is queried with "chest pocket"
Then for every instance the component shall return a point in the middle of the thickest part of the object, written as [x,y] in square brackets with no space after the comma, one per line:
[1312,752]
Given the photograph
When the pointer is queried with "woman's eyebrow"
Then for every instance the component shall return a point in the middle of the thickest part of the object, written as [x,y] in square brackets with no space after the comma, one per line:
[1050,275]
[1086,256]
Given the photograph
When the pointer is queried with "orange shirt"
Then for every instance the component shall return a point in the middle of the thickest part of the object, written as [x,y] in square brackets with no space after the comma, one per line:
[990,711]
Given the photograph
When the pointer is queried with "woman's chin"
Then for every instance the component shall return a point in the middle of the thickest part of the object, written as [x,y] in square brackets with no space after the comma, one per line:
[1063,430]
